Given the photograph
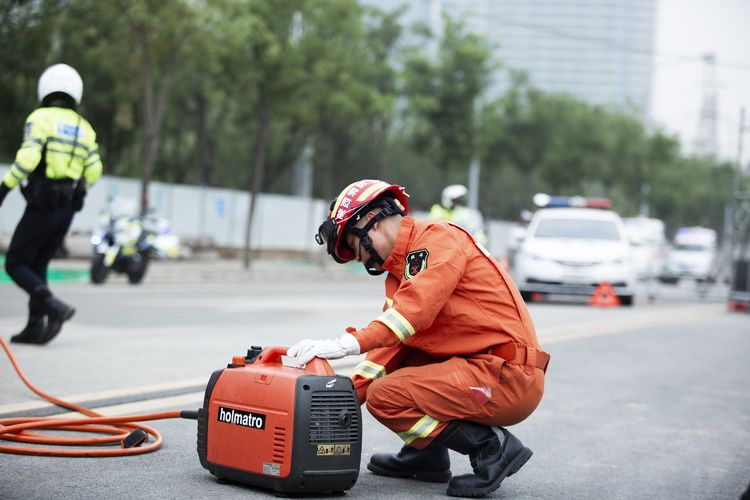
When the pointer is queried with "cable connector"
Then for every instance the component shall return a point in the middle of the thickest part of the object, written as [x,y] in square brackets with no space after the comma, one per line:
[189,414]
[135,438]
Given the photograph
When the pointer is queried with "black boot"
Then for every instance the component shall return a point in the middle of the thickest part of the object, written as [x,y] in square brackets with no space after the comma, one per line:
[430,464]
[34,331]
[494,452]
[56,310]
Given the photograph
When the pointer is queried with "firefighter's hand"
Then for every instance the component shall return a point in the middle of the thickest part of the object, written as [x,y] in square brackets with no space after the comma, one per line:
[307,349]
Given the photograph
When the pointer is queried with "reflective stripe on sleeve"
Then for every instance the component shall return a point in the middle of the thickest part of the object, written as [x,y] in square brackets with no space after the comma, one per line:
[23,171]
[368,369]
[32,143]
[397,323]
[421,429]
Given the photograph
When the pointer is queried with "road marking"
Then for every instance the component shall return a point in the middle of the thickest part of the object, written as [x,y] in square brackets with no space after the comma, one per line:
[191,400]
[109,394]
[340,366]
[600,328]
[632,321]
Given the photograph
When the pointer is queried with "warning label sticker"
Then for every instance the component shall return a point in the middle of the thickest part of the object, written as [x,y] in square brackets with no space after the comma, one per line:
[331,450]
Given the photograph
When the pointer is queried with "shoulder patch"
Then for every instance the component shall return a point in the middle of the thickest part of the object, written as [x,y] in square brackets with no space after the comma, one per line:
[416,261]
[69,130]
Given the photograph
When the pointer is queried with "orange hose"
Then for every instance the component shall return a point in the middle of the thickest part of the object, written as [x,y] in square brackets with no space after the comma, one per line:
[17,429]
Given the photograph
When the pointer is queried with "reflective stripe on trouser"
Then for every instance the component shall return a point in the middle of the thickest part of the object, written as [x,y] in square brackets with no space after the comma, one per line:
[417,402]
[383,361]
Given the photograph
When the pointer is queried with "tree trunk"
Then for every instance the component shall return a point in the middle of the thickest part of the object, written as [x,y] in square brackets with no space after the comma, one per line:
[153,109]
[259,166]
[381,130]
[326,156]
[201,158]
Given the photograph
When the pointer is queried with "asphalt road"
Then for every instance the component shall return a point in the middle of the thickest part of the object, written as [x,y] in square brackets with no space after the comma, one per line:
[651,401]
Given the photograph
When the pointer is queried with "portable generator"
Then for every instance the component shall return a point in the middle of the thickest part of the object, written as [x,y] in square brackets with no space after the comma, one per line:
[288,429]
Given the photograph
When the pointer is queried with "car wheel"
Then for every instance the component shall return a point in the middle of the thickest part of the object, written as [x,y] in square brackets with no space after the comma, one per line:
[625,300]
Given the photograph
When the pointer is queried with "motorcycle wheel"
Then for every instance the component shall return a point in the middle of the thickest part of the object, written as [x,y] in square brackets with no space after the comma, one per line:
[138,270]
[98,270]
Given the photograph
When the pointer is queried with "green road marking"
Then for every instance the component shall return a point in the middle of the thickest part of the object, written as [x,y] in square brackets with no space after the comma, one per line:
[53,275]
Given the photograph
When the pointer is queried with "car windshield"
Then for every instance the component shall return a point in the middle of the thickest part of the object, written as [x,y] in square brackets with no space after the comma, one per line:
[578,229]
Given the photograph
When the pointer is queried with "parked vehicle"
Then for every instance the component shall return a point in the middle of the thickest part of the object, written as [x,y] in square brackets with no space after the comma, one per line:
[572,246]
[649,246]
[693,253]
[124,245]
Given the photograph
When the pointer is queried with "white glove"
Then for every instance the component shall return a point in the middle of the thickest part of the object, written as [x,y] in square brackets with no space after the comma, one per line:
[307,349]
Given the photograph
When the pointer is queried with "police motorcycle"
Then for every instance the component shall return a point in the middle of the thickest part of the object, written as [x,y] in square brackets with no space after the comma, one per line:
[124,244]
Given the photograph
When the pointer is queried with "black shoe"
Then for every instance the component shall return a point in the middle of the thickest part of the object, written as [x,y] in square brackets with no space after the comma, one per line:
[494,452]
[430,464]
[33,333]
[56,310]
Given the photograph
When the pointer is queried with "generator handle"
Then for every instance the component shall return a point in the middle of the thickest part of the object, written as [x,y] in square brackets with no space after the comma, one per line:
[272,355]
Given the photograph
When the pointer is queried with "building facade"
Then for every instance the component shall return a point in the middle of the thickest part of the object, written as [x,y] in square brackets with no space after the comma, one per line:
[600,51]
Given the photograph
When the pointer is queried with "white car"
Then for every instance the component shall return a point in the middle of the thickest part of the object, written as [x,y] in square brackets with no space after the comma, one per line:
[649,246]
[574,250]
[693,253]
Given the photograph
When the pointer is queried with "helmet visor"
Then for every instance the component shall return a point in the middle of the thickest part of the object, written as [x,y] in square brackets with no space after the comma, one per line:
[327,236]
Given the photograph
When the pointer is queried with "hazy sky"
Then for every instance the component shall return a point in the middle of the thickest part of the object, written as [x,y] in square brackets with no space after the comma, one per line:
[690,28]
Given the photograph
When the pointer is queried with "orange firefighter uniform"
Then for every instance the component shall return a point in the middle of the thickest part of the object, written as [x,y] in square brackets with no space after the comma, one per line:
[454,342]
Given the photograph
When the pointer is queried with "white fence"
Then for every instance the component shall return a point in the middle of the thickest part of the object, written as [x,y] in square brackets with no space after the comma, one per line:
[218,215]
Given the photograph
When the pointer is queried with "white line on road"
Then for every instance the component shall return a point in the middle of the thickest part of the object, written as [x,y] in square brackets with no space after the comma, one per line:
[600,328]
[342,367]
[634,320]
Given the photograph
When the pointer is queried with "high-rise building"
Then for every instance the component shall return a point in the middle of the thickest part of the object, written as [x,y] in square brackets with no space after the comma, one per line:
[597,50]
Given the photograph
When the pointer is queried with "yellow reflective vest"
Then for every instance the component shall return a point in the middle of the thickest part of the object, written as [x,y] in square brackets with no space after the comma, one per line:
[68,143]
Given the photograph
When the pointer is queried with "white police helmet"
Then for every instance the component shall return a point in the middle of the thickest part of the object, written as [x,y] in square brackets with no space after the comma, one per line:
[452,193]
[61,78]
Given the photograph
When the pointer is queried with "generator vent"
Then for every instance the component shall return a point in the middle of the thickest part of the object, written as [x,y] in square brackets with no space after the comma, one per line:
[279,444]
[334,417]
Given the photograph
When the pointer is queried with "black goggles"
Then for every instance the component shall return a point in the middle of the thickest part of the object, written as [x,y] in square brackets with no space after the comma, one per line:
[327,236]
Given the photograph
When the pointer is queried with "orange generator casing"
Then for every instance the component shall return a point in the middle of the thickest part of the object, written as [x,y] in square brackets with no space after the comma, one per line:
[280,427]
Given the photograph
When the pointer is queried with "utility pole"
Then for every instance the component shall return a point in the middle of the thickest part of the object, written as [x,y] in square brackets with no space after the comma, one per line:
[705,141]
[736,256]
[740,199]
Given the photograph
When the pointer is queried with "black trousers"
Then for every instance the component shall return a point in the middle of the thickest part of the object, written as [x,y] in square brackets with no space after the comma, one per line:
[37,237]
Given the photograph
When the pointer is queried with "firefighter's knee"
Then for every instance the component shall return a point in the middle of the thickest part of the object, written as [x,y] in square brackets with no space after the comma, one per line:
[384,397]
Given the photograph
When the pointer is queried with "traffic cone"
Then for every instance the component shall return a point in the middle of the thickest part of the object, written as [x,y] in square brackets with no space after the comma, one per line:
[604,296]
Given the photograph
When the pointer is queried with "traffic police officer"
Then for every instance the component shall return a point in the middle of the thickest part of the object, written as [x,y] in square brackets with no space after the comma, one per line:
[452,208]
[55,165]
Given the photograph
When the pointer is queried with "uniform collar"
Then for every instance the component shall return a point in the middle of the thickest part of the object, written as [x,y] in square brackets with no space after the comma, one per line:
[395,262]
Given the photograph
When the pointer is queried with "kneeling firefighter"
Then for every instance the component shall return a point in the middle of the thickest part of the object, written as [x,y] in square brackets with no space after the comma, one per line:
[56,163]
[454,356]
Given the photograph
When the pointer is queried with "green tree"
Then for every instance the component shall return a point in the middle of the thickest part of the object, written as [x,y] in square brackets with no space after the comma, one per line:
[26,35]
[443,94]
[333,47]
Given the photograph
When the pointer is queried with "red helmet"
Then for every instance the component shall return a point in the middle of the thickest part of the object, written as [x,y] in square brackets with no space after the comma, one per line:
[347,209]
